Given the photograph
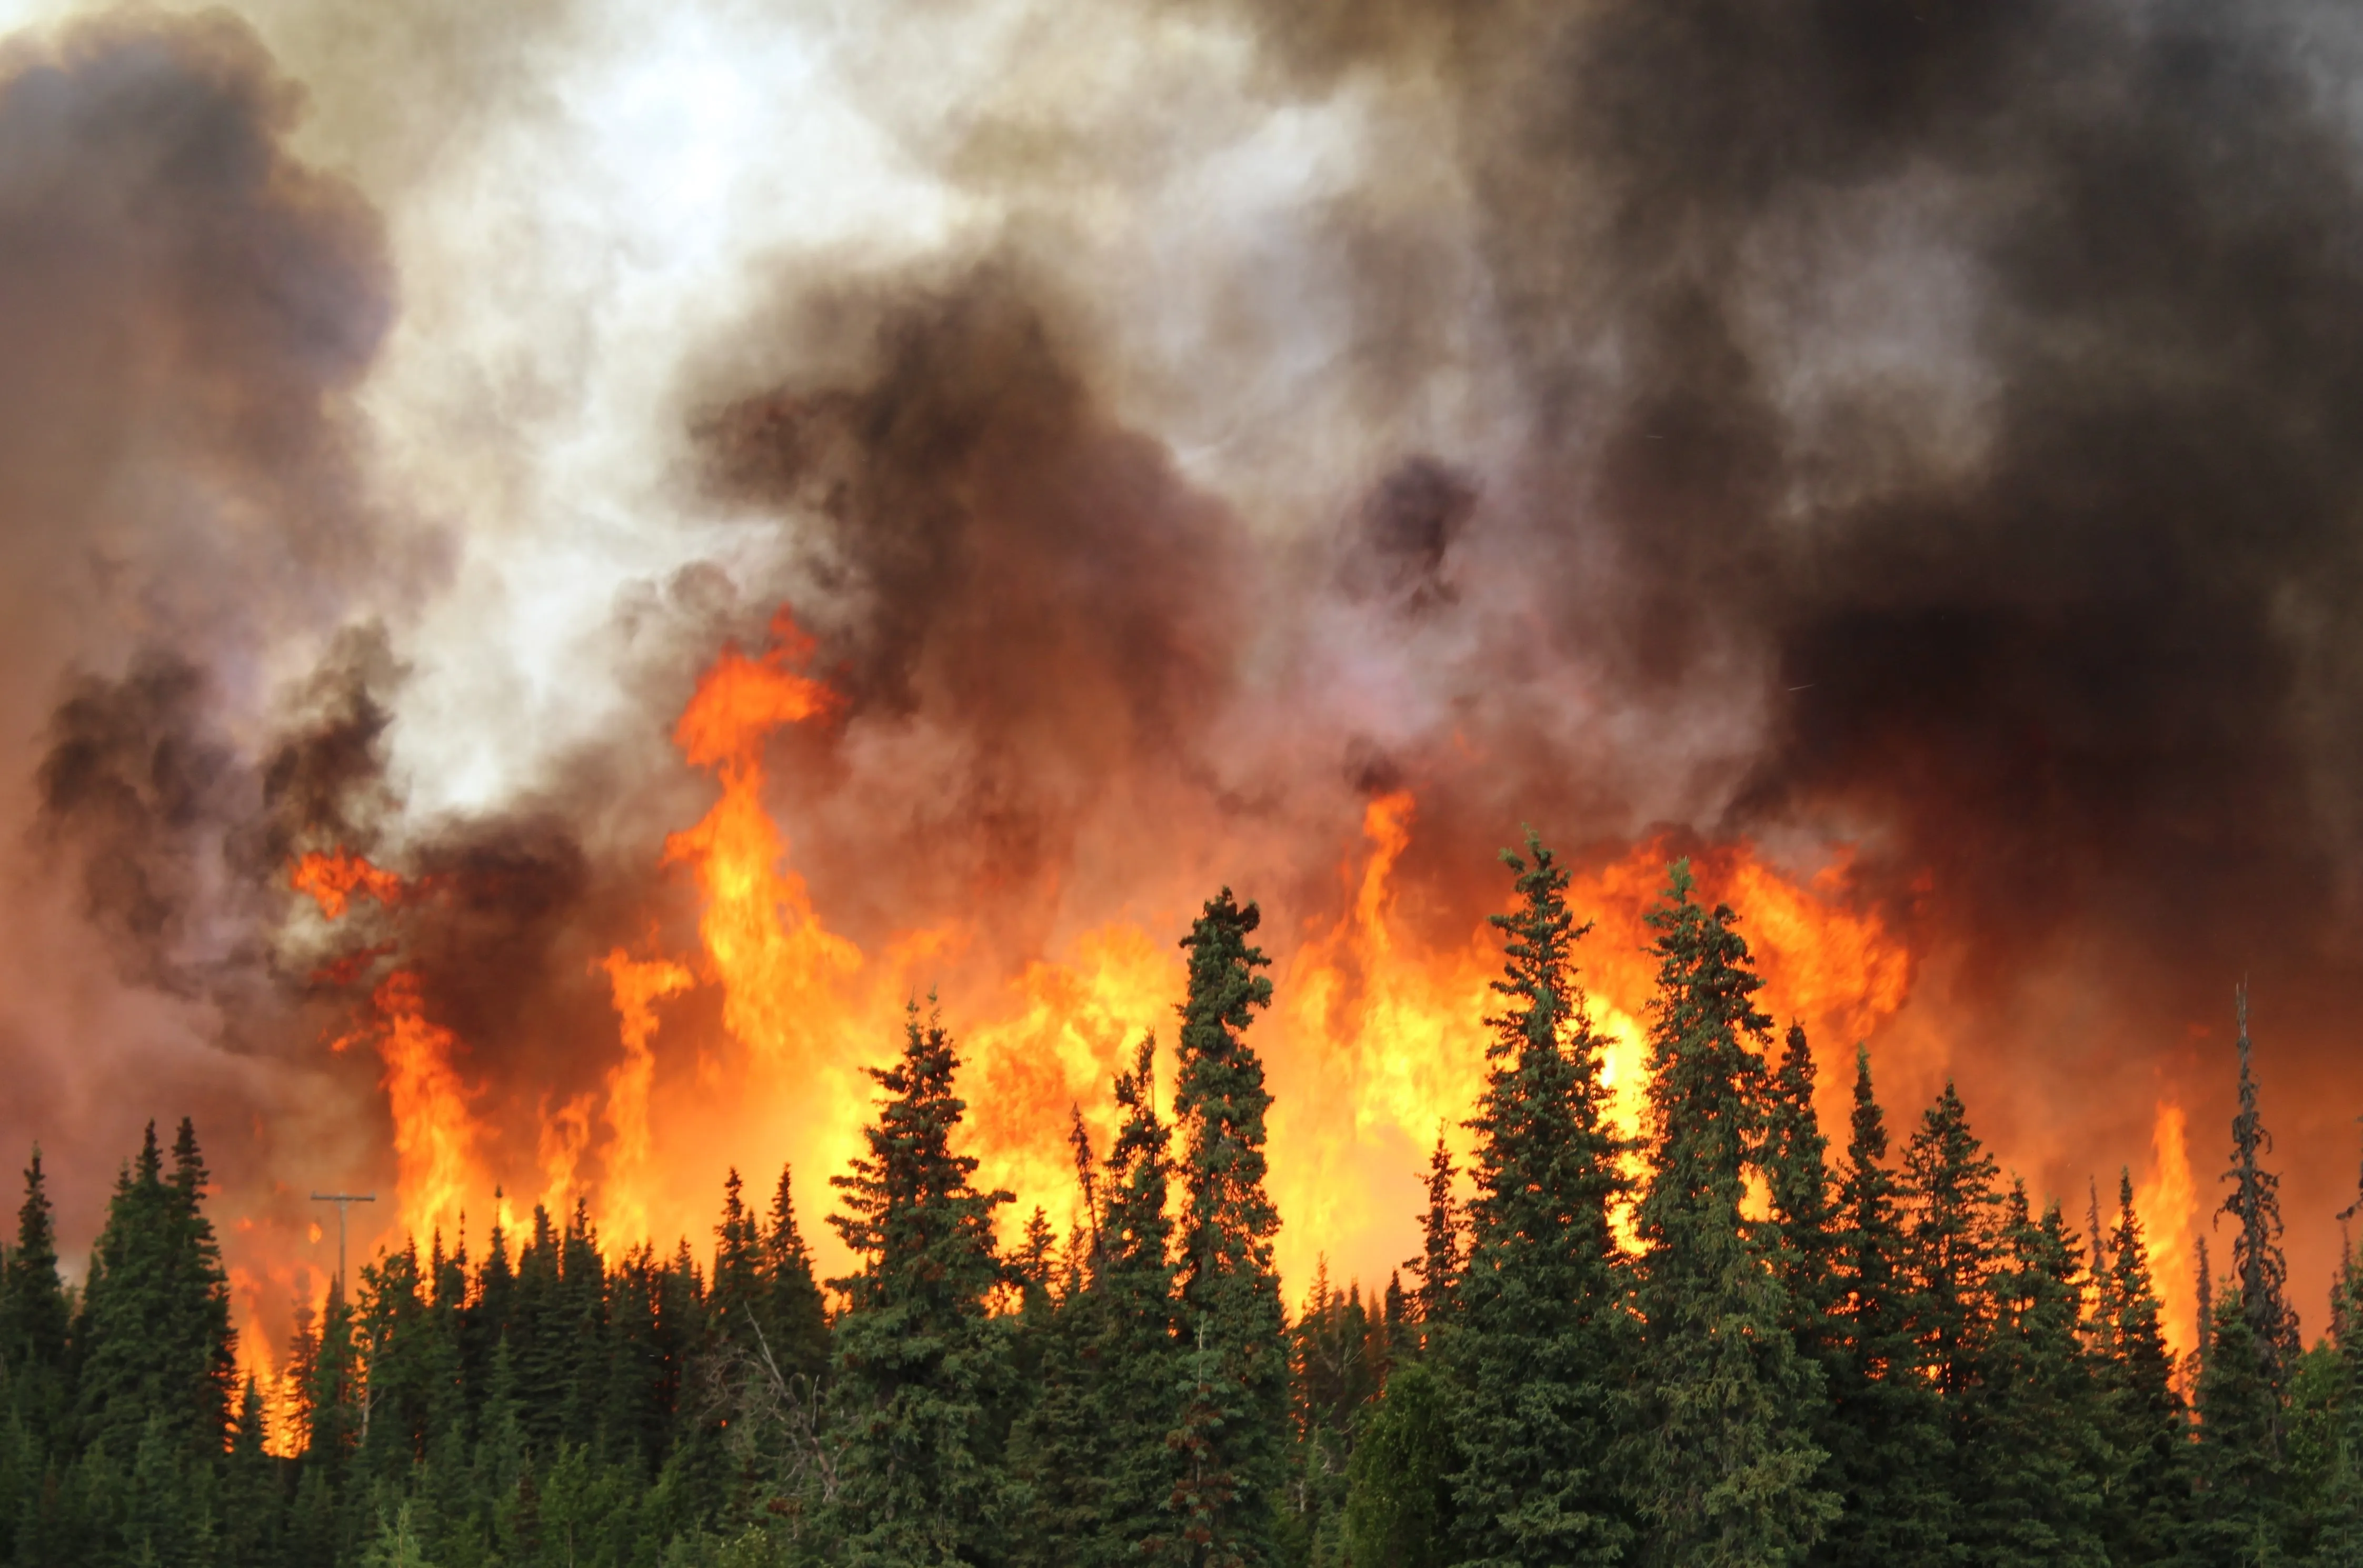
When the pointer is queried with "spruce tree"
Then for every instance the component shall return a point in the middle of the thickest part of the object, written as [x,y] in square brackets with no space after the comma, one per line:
[154,1331]
[2205,1314]
[737,1280]
[251,1505]
[1539,1349]
[1399,1508]
[201,1337]
[335,1395]
[1443,1247]
[537,1335]
[1798,1183]
[1057,1452]
[1887,1430]
[2240,1517]
[2255,1204]
[33,1318]
[1951,1243]
[581,1319]
[1231,1435]
[794,1316]
[1727,1464]
[34,1321]
[1335,1372]
[920,1362]
[2035,1458]
[1131,1326]
[2338,1532]
[2148,1495]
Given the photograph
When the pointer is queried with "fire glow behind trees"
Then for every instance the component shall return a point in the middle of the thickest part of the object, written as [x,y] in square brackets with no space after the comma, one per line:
[565,564]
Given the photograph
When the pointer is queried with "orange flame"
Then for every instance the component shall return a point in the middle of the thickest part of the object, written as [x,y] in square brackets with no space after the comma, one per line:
[1389,1051]
[336,878]
[1377,1041]
[1068,1030]
[1385,1039]
[637,985]
[564,1136]
[262,1300]
[776,961]
[2167,1203]
[435,1133]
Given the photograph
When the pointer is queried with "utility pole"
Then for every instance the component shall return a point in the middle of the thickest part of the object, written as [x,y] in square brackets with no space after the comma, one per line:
[341,1200]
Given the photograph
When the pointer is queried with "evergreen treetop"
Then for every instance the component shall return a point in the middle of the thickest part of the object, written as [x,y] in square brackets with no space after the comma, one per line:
[1729,1467]
[1537,1334]
[1951,1240]
[1443,1240]
[2258,1261]
[1221,1101]
[920,1361]
[1234,1383]
[2147,1493]
[1886,1432]
[33,1312]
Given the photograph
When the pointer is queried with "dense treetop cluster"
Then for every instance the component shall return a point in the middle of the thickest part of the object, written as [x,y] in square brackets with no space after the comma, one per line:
[1722,1347]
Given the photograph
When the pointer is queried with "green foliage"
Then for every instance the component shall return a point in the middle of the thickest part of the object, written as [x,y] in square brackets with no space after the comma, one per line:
[2337,1493]
[920,1363]
[794,1318]
[1398,1502]
[1095,1449]
[2146,1485]
[2034,1460]
[1726,1465]
[2241,1517]
[1338,1361]
[1539,1341]
[1232,1391]
[1885,1432]
[1444,1240]
[153,1337]
[1841,1362]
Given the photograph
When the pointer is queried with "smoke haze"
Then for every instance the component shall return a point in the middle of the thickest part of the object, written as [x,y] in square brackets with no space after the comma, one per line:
[1908,444]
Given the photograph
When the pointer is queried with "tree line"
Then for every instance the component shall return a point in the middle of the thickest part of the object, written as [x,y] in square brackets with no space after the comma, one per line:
[1722,1344]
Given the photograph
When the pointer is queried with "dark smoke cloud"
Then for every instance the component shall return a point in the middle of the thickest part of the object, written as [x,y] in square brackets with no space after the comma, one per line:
[1017,593]
[1927,428]
[132,782]
[182,306]
[1978,382]
[185,311]
[1402,530]
[1934,436]
[2053,561]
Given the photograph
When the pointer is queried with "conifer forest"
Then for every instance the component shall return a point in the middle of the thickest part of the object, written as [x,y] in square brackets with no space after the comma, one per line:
[1181,784]
[1743,1338]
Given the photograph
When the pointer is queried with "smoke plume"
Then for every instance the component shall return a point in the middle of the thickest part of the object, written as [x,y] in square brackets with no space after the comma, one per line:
[1897,452]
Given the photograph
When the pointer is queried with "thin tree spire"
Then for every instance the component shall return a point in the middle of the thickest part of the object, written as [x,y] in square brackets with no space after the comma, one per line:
[2258,1261]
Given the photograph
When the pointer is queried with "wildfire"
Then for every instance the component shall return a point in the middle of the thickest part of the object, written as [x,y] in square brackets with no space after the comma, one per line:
[337,877]
[2165,1203]
[637,986]
[1376,1044]
[1055,1050]
[274,1295]
[435,1133]
[777,962]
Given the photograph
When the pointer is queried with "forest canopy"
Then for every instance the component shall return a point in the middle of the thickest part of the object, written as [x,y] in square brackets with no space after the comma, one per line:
[1739,1339]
